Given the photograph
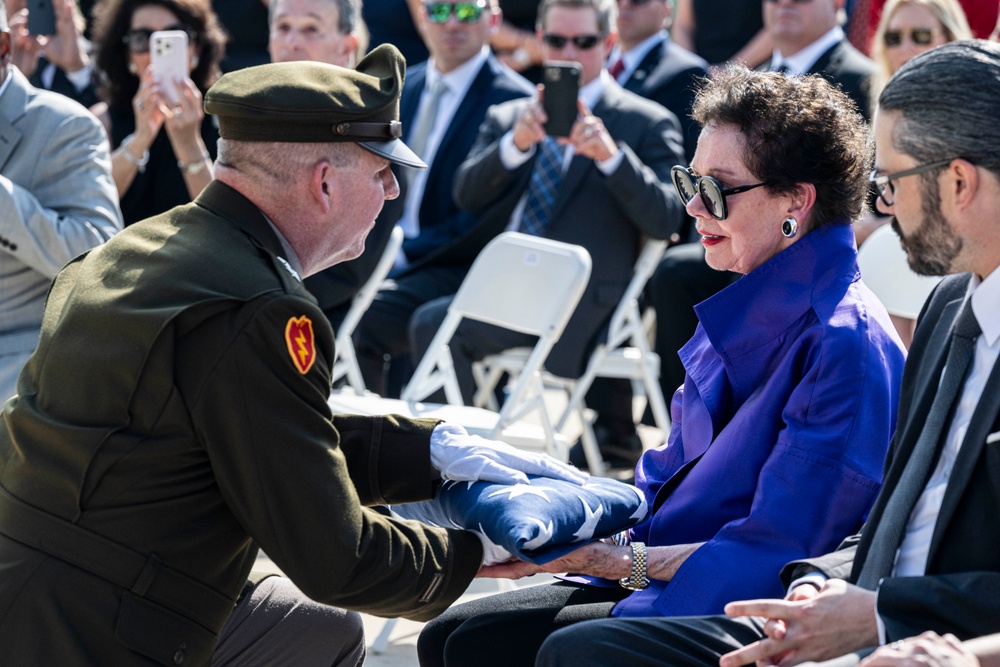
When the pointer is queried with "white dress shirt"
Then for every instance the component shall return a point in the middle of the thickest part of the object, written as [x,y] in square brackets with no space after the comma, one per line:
[800,63]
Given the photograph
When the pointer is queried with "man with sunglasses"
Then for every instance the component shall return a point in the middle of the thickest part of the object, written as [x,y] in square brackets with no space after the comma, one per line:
[809,40]
[605,186]
[443,103]
[647,62]
[927,558]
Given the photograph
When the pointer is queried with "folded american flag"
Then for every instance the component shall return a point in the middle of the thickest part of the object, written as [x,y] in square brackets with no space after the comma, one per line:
[537,522]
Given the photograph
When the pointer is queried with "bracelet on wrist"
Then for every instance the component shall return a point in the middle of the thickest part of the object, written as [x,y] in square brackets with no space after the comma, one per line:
[637,580]
[139,162]
[195,166]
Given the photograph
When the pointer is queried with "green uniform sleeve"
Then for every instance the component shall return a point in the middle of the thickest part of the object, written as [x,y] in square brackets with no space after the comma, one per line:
[298,481]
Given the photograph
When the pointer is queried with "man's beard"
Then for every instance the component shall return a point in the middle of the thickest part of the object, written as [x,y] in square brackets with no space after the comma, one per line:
[932,247]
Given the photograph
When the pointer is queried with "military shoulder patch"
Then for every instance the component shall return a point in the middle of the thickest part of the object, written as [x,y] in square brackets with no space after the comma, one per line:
[300,342]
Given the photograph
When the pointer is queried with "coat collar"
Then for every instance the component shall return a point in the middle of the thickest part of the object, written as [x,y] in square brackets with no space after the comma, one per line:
[765,302]
[229,204]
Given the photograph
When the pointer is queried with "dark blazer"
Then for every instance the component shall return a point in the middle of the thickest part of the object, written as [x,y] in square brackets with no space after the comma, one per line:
[960,592]
[441,222]
[203,434]
[608,215]
[669,75]
[61,84]
[845,66]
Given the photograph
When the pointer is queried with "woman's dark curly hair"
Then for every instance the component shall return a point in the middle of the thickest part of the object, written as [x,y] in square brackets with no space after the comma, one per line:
[112,20]
[797,130]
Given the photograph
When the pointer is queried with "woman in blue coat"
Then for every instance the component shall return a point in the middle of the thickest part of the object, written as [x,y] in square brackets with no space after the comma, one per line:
[781,427]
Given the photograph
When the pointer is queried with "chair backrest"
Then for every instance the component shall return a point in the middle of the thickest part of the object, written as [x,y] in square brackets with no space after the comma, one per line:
[626,320]
[346,361]
[520,282]
[525,283]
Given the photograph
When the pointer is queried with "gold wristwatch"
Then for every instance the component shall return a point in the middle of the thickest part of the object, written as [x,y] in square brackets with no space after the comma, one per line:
[636,581]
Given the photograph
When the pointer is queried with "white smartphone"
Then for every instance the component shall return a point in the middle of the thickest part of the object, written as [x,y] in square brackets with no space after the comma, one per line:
[168,52]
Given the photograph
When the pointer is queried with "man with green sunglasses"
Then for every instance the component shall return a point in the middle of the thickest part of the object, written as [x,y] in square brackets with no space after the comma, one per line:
[443,103]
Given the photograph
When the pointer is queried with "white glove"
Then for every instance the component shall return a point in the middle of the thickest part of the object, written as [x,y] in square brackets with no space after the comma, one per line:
[462,457]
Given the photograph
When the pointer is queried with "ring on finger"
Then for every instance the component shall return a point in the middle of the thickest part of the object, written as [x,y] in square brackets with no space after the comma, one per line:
[588,132]
[176,110]
[139,105]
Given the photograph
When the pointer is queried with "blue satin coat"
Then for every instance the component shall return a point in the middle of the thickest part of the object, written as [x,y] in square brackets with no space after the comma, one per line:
[790,400]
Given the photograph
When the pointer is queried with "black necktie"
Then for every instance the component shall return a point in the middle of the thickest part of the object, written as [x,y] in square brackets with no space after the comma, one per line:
[892,526]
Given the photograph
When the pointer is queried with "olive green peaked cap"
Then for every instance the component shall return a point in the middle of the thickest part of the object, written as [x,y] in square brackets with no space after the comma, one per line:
[313,102]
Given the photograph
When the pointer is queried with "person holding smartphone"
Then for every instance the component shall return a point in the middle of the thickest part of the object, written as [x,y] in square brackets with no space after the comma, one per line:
[163,144]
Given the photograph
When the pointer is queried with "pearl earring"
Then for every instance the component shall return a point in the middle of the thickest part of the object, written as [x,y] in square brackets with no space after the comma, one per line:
[789,228]
[132,69]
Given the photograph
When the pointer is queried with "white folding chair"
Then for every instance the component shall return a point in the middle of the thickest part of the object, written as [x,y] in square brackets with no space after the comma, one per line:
[346,360]
[625,354]
[520,282]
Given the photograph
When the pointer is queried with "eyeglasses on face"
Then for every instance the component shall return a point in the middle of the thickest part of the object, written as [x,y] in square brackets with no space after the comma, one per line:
[582,42]
[713,195]
[465,12]
[137,39]
[919,36]
[887,191]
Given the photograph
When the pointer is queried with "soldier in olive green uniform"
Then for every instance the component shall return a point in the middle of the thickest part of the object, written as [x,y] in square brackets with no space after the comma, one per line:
[174,416]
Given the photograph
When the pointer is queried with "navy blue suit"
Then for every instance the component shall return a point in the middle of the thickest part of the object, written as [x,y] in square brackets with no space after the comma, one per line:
[669,75]
[449,239]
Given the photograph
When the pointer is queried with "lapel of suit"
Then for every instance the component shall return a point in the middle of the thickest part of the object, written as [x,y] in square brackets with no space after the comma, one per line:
[827,61]
[647,65]
[409,101]
[480,86]
[906,439]
[12,108]
[581,167]
[984,418]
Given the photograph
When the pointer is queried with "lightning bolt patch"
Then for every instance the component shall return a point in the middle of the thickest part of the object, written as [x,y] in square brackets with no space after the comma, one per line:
[299,339]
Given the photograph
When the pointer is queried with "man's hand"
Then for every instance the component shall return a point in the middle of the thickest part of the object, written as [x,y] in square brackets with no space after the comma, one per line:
[66,48]
[589,137]
[529,128]
[462,457]
[928,650]
[24,47]
[838,619]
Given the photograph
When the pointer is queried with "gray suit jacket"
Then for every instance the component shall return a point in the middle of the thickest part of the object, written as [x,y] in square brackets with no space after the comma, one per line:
[608,215]
[960,591]
[57,200]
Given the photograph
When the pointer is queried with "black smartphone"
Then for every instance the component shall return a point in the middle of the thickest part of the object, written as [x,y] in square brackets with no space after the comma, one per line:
[41,17]
[562,87]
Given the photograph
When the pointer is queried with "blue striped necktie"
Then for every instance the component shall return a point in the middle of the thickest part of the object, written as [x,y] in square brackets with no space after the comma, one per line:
[542,188]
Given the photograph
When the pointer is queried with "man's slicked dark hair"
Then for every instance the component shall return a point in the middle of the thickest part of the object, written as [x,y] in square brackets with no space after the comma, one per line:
[796,130]
[949,102]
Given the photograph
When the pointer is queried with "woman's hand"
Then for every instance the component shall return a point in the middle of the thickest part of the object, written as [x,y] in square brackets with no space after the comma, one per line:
[146,105]
[183,121]
[596,559]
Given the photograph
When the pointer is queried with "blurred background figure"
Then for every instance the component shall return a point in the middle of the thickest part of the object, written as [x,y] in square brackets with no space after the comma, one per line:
[245,22]
[981,15]
[320,30]
[59,62]
[163,153]
[740,36]
[907,29]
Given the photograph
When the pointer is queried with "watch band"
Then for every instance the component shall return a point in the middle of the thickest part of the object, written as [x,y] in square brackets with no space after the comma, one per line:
[637,580]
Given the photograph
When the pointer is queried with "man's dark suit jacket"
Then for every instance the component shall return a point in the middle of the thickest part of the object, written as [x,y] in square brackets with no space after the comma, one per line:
[608,215]
[669,75]
[441,222]
[848,68]
[62,85]
[960,592]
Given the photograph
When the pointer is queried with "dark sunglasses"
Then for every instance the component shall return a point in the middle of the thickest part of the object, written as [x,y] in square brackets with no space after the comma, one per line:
[713,195]
[582,42]
[465,12]
[137,39]
[919,36]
